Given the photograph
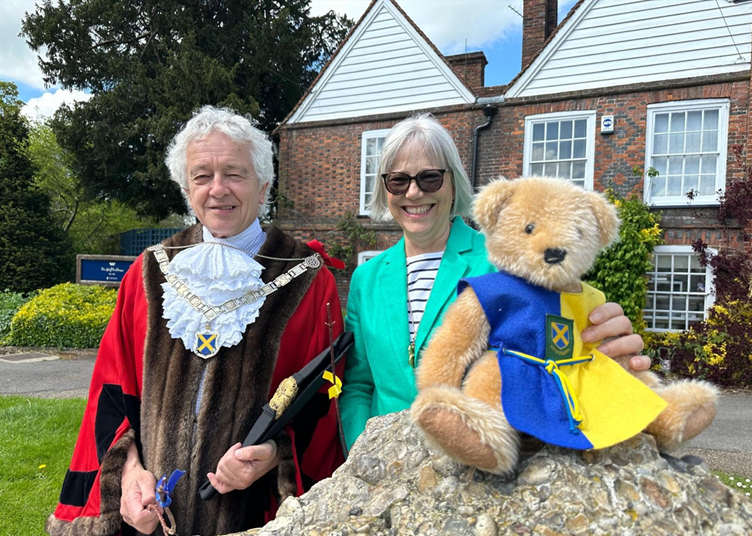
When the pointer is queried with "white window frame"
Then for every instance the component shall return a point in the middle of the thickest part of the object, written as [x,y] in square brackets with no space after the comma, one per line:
[709,296]
[368,135]
[722,105]
[364,256]
[588,115]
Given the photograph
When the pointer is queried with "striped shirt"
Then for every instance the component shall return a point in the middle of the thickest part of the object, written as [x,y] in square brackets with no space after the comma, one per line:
[421,273]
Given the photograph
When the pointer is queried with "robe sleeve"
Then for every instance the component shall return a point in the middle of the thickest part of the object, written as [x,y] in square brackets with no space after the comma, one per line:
[90,497]
[311,450]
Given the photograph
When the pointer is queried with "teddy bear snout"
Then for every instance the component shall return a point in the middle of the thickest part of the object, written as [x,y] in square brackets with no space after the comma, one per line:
[554,255]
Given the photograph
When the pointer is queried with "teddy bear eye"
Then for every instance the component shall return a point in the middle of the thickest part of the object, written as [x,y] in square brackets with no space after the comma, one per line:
[529,228]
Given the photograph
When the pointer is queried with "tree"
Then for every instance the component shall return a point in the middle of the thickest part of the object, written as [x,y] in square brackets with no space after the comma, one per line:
[149,64]
[34,252]
[92,226]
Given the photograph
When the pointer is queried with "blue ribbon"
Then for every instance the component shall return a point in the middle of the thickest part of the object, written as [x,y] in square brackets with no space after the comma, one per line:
[165,487]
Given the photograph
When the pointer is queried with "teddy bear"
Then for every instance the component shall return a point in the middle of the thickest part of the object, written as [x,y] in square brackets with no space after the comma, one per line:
[508,357]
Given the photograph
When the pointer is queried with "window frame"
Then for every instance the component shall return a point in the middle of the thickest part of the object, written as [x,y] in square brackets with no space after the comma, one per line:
[723,126]
[709,299]
[365,256]
[365,136]
[588,115]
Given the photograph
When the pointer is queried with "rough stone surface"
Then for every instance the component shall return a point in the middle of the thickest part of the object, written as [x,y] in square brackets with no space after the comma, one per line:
[393,485]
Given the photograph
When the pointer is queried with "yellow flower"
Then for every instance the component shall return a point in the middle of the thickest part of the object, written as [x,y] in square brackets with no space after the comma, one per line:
[43,466]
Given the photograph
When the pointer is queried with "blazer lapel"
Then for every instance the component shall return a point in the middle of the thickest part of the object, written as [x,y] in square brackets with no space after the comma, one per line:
[453,267]
[391,309]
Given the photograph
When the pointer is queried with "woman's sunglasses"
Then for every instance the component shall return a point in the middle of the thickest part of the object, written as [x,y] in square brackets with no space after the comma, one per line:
[428,180]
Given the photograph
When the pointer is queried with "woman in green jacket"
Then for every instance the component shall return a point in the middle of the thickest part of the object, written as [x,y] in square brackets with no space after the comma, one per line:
[398,298]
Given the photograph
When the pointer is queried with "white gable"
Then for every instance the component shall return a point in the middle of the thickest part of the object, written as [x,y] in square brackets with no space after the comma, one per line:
[385,66]
[610,43]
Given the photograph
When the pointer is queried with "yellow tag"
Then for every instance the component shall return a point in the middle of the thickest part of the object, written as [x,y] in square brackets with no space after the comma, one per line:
[336,388]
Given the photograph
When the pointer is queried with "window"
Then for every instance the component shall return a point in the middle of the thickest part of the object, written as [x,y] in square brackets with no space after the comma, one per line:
[364,256]
[679,289]
[561,145]
[372,143]
[686,144]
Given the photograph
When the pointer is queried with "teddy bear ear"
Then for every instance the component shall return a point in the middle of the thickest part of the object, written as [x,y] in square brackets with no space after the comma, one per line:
[490,200]
[607,217]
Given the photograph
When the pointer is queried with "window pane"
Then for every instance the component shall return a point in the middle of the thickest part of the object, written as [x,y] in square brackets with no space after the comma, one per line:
[565,131]
[674,186]
[693,142]
[658,186]
[661,123]
[565,150]
[538,130]
[691,182]
[651,282]
[580,128]
[660,144]
[696,303]
[552,152]
[679,323]
[578,170]
[707,184]
[660,163]
[371,146]
[549,170]
[708,164]
[579,149]
[675,165]
[677,122]
[710,140]
[371,165]
[565,170]
[537,152]
[679,303]
[711,120]
[369,183]
[676,143]
[552,131]
[697,283]
[663,283]
[694,120]
[663,263]
[694,264]
[662,302]
[536,169]
[692,165]
[680,283]
[681,263]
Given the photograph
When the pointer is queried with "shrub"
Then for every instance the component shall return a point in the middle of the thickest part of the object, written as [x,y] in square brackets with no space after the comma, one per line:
[619,271]
[10,302]
[65,315]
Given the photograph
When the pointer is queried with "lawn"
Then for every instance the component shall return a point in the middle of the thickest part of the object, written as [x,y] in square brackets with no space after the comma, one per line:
[36,441]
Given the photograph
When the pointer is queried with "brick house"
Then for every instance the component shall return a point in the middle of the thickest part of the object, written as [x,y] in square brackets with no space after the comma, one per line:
[618,85]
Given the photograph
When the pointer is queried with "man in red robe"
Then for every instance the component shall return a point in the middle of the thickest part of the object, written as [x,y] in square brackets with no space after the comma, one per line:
[198,342]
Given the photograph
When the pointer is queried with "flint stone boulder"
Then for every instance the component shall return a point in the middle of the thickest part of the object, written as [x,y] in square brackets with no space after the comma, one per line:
[393,484]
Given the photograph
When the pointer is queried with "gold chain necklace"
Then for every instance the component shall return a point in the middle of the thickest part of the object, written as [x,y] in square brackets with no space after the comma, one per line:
[207,343]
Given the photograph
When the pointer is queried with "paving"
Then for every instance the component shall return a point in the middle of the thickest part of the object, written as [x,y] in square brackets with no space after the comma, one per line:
[51,373]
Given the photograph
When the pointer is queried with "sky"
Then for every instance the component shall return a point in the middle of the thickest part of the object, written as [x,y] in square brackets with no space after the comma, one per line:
[454,26]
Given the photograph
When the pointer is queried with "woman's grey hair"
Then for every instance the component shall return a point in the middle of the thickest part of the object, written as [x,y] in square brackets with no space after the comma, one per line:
[240,129]
[425,132]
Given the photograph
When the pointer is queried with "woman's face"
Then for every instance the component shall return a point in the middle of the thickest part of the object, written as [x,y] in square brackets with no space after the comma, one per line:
[422,216]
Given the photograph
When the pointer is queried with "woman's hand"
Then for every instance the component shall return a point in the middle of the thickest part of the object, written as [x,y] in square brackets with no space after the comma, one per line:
[615,330]
[242,466]
[138,492]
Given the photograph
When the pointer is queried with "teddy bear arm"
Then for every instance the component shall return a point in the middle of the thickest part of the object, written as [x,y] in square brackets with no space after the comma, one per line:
[458,342]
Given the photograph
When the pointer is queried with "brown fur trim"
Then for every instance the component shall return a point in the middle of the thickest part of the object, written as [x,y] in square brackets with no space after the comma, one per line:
[109,520]
[234,386]
[285,477]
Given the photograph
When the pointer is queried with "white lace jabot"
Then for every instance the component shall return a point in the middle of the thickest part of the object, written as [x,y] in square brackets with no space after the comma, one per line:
[216,274]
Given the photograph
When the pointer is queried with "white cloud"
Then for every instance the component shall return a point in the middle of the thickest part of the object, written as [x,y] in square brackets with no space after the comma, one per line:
[17,61]
[40,108]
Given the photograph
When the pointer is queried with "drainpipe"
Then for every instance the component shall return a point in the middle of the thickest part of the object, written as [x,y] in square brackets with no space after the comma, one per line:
[489,111]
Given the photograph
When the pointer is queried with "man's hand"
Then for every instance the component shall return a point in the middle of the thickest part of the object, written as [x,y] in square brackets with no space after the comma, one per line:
[242,466]
[615,330]
[137,487]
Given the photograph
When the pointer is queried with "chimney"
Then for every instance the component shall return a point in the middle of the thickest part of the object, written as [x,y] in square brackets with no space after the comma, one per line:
[539,19]
[470,67]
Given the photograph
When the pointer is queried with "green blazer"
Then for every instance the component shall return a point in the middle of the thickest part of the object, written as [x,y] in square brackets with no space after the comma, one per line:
[378,377]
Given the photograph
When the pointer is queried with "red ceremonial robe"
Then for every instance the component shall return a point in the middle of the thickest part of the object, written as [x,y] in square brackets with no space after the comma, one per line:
[145,386]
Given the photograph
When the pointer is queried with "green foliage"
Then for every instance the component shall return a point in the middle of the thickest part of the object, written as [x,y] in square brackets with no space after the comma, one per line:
[93,226]
[619,271]
[36,444]
[10,303]
[353,236]
[149,64]
[66,315]
[34,252]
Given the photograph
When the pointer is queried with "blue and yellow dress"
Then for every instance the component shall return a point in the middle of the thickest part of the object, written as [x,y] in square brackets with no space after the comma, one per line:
[554,386]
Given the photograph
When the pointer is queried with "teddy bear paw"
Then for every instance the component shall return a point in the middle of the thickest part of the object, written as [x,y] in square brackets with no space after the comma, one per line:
[691,409]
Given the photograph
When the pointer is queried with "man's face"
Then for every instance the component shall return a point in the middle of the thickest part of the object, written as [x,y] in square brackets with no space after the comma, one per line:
[222,187]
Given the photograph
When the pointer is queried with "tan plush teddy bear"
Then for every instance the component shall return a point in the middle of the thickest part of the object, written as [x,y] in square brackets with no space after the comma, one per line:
[542,234]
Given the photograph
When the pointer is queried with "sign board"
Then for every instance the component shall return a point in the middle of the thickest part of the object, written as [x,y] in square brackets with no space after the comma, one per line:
[607,124]
[106,270]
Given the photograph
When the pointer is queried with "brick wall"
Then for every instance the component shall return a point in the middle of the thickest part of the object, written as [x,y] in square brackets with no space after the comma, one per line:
[320,164]
[539,19]
[470,67]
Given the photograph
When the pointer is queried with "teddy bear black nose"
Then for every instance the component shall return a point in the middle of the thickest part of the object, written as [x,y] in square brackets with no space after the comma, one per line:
[554,255]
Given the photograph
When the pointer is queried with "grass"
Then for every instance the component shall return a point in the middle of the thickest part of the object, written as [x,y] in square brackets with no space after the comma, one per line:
[739,483]
[36,442]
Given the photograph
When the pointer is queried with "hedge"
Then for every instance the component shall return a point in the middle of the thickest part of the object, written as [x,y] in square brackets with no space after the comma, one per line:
[66,315]
[10,303]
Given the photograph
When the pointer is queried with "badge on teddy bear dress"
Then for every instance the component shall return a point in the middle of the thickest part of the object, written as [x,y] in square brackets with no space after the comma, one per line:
[207,344]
